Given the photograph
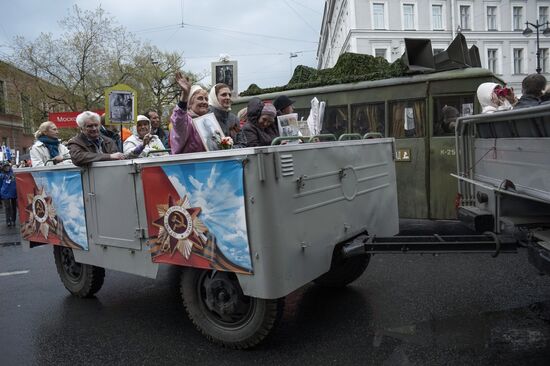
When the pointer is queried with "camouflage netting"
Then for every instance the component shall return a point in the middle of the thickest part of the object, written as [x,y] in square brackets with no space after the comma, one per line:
[350,68]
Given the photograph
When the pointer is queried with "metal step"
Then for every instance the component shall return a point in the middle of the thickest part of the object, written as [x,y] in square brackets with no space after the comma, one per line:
[434,244]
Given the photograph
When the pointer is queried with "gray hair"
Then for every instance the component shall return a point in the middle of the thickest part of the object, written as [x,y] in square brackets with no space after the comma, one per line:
[43,128]
[83,117]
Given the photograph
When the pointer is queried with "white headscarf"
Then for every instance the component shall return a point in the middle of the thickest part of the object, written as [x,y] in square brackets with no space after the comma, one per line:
[487,98]
[213,100]
[195,88]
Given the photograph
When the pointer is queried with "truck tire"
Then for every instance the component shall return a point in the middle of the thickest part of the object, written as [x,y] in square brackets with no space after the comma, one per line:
[215,303]
[82,280]
[343,271]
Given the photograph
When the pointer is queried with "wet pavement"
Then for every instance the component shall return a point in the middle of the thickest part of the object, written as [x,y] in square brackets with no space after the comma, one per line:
[405,310]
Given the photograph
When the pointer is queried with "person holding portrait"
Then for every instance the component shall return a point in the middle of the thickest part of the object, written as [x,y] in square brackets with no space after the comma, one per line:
[184,138]
[89,146]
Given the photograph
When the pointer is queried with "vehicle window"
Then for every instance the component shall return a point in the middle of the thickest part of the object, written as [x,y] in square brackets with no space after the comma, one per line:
[368,118]
[335,120]
[447,110]
[407,119]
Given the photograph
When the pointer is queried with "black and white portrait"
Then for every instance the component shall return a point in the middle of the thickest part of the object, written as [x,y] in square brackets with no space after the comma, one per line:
[121,107]
[225,72]
[210,131]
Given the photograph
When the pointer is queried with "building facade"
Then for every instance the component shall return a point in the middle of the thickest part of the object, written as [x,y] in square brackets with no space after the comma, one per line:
[378,28]
[23,106]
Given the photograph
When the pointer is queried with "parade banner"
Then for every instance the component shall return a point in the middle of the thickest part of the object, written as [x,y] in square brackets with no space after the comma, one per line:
[51,208]
[196,215]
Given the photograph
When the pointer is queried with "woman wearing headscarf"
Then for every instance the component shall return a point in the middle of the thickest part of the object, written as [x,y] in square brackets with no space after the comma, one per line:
[184,138]
[260,128]
[197,103]
[142,141]
[219,99]
[492,99]
[47,147]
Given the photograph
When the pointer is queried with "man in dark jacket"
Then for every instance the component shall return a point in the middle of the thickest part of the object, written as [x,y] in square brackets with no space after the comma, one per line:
[89,146]
[532,88]
[8,193]
[259,129]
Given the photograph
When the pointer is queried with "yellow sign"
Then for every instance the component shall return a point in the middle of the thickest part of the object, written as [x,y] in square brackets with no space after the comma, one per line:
[403,155]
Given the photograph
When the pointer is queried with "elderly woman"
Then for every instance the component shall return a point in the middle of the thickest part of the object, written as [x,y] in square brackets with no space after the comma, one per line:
[220,104]
[184,138]
[142,141]
[89,146]
[47,147]
[197,104]
[260,128]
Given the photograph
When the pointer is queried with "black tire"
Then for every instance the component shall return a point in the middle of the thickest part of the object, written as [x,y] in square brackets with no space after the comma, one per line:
[82,280]
[217,306]
[343,271]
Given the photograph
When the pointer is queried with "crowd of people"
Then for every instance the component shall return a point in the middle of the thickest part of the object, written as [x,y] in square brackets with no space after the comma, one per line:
[253,126]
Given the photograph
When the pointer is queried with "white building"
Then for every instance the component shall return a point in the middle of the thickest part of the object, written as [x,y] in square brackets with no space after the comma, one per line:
[378,27]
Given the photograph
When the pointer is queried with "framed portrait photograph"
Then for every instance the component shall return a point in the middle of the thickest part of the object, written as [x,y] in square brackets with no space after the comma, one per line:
[120,105]
[210,131]
[225,72]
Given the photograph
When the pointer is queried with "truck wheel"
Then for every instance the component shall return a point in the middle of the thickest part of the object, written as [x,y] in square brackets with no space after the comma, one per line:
[217,306]
[82,280]
[343,271]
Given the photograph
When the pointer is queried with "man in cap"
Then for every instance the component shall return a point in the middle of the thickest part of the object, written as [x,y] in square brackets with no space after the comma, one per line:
[283,105]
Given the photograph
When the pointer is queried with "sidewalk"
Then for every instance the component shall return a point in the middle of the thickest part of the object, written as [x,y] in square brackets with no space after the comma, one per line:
[8,235]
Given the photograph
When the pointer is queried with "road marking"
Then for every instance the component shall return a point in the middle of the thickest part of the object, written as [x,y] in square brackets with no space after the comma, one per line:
[2,274]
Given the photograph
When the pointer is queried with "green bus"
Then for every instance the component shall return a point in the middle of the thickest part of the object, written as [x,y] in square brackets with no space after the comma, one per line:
[418,112]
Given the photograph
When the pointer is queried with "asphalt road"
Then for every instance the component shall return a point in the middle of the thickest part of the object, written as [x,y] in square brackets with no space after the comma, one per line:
[405,310]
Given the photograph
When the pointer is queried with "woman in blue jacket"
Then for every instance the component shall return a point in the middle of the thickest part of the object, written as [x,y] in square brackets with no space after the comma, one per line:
[8,193]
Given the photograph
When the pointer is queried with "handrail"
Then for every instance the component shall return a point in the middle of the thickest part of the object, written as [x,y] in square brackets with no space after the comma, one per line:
[151,152]
[349,136]
[281,139]
[372,135]
[321,137]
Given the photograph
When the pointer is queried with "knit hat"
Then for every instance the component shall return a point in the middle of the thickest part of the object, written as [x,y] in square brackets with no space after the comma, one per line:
[269,110]
[195,88]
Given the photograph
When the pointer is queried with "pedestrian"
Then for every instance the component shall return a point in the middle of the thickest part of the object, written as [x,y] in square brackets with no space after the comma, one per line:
[89,146]
[8,193]
[47,147]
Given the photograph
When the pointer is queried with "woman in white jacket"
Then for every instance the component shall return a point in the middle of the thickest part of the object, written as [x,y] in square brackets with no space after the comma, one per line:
[47,149]
[142,142]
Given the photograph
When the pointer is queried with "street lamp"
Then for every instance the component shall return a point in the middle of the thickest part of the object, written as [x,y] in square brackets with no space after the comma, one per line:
[528,31]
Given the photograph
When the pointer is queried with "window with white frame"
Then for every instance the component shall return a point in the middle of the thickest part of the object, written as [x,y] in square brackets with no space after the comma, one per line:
[543,14]
[544,60]
[518,60]
[492,59]
[491,18]
[408,17]
[465,14]
[437,17]
[517,18]
[379,15]
[381,52]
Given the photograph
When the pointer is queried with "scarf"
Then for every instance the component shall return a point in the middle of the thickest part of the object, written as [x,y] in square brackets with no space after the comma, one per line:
[213,100]
[52,144]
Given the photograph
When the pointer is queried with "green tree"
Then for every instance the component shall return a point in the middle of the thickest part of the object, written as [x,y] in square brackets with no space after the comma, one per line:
[92,53]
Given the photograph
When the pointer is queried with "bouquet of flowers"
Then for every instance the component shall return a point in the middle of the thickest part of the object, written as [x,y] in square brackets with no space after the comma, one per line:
[224,142]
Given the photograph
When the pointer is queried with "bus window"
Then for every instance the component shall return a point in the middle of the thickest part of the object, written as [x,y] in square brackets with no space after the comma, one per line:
[368,118]
[407,118]
[447,110]
[335,120]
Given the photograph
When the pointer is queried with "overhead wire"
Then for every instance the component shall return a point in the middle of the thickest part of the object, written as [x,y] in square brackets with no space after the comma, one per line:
[300,16]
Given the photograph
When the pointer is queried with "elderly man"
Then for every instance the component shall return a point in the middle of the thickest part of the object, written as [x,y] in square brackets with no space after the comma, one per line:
[89,146]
